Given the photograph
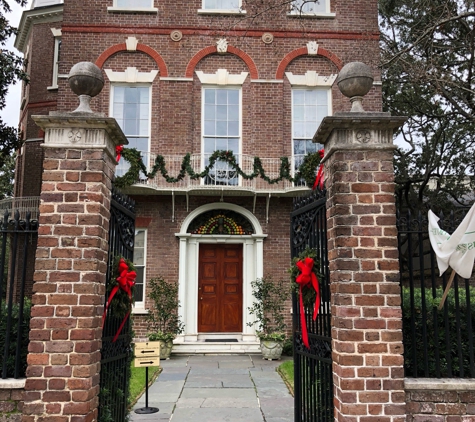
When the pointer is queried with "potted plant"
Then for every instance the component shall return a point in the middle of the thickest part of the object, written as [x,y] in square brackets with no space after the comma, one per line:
[164,323]
[268,310]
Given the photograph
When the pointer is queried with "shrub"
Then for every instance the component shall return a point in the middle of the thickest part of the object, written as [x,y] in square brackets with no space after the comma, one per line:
[163,320]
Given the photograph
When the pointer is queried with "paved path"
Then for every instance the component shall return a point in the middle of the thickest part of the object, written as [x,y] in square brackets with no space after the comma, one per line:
[218,389]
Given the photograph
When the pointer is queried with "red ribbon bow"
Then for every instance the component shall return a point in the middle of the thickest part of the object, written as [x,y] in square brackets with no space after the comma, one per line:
[319,177]
[118,151]
[126,281]
[306,278]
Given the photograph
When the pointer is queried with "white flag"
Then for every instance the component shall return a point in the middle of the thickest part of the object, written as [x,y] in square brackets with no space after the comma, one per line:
[456,250]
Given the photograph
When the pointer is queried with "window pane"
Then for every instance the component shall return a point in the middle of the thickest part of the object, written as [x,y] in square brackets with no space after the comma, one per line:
[209,145]
[222,113]
[210,96]
[143,127]
[222,97]
[221,128]
[210,128]
[221,144]
[119,94]
[233,96]
[233,128]
[210,113]
[233,112]
[233,145]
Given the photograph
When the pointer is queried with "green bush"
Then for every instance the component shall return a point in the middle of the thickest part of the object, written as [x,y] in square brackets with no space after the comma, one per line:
[445,330]
[24,340]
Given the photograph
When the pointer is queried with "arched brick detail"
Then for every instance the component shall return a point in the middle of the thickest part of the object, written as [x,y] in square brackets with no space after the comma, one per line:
[303,51]
[140,47]
[213,50]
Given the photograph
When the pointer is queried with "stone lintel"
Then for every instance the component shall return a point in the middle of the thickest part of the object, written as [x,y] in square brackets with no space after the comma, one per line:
[81,131]
[357,131]
[445,384]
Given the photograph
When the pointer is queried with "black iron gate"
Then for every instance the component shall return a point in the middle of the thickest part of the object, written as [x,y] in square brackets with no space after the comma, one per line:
[313,367]
[116,356]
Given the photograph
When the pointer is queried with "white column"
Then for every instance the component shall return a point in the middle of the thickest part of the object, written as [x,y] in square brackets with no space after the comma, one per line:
[190,285]
[249,275]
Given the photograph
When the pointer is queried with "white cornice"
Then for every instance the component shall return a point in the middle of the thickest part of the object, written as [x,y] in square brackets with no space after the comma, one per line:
[131,75]
[311,78]
[221,77]
[35,16]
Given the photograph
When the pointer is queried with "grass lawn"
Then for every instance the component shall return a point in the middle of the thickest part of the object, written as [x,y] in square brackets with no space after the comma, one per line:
[137,381]
[286,371]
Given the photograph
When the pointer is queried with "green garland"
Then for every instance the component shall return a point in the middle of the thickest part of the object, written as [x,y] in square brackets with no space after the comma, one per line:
[307,170]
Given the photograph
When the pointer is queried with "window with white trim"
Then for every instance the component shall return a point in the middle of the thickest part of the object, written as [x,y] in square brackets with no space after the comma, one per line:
[130,106]
[221,130]
[309,107]
[221,4]
[133,4]
[56,57]
[308,7]
[140,260]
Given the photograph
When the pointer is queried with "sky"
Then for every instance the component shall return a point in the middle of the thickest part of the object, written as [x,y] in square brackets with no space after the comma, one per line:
[11,113]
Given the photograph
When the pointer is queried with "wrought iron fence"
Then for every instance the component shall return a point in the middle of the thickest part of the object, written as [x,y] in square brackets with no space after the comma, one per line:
[437,343]
[18,238]
[117,355]
[313,366]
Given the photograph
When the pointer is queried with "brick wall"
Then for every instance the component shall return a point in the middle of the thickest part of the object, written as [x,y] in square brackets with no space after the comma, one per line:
[433,400]
[11,400]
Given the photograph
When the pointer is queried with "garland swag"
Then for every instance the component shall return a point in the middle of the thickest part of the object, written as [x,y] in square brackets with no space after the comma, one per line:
[306,171]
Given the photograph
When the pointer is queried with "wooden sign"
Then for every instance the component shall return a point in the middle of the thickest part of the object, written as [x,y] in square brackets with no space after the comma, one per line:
[147,354]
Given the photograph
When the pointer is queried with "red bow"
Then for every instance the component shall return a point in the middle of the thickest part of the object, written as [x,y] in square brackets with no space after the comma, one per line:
[118,151]
[306,278]
[126,281]
[319,177]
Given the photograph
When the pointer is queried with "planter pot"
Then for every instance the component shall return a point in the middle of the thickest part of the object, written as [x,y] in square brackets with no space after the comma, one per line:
[271,349]
[165,348]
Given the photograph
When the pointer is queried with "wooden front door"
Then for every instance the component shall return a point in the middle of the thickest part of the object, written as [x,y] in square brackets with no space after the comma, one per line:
[220,289]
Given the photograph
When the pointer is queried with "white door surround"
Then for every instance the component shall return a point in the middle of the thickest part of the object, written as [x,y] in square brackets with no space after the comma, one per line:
[253,257]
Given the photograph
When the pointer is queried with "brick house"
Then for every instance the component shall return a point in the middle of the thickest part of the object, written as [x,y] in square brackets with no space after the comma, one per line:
[197,76]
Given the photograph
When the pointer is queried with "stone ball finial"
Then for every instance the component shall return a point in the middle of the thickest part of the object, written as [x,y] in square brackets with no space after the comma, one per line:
[355,80]
[86,81]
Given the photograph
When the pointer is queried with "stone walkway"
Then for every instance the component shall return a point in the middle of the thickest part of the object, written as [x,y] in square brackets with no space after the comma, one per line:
[218,389]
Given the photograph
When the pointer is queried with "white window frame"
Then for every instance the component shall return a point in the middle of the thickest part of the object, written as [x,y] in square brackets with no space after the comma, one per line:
[295,10]
[56,52]
[146,154]
[44,3]
[203,136]
[235,11]
[132,8]
[329,112]
[139,307]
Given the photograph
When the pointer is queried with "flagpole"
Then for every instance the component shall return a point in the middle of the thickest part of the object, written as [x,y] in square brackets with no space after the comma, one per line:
[447,288]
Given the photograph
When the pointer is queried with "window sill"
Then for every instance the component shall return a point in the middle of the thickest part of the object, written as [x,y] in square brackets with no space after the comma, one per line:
[52,88]
[151,10]
[221,12]
[311,15]
[139,311]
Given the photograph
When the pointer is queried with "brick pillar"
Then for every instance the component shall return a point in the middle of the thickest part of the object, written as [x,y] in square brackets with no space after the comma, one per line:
[65,338]
[364,270]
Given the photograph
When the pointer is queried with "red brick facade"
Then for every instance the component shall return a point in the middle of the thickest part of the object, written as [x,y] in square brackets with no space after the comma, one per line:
[92,33]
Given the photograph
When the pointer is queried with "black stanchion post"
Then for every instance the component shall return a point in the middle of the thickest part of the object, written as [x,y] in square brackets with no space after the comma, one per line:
[146,409]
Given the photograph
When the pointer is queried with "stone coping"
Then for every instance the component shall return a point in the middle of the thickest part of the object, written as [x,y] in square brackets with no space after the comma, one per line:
[12,383]
[446,384]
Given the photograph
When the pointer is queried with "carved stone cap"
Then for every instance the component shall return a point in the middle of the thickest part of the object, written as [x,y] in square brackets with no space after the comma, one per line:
[357,131]
[88,131]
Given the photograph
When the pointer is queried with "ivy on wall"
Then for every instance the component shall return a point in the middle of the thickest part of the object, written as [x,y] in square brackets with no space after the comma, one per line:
[307,169]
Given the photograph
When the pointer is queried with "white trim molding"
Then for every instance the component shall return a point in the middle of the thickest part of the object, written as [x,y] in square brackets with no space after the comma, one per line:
[221,77]
[131,76]
[311,78]
[253,268]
